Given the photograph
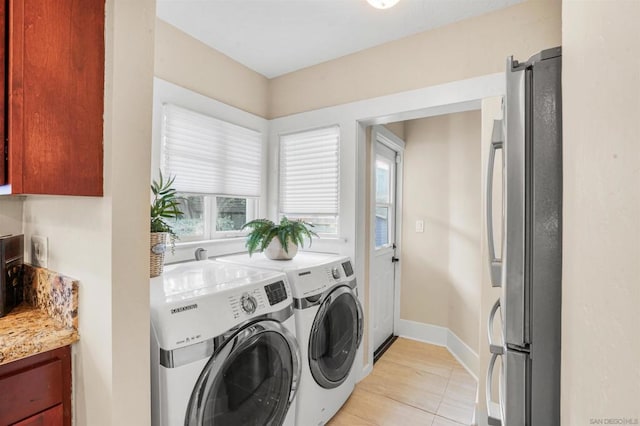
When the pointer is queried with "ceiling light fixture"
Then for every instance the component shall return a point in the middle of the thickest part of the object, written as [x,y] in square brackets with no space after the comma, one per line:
[383,4]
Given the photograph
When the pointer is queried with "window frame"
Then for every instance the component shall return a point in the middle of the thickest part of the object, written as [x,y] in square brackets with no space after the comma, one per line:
[165,92]
[210,209]
[336,217]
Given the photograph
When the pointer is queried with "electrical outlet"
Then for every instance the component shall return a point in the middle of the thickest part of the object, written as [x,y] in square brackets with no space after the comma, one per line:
[420,225]
[39,251]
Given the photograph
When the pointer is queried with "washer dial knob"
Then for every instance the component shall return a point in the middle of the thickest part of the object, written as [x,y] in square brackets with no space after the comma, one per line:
[248,303]
[336,273]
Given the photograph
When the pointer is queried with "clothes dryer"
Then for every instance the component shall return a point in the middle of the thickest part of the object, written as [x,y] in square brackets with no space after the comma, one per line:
[223,347]
[329,322]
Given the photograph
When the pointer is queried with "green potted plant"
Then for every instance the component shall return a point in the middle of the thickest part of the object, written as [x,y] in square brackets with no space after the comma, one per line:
[164,207]
[277,241]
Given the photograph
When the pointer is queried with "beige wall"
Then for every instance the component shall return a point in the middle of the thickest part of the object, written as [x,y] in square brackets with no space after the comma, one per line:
[104,242]
[601,235]
[11,215]
[187,62]
[465,49]
[396,128]
[441,266]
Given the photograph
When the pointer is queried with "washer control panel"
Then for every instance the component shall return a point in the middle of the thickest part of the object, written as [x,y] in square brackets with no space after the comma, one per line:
[258,300]
[248,303]
[335,272]
[276,292]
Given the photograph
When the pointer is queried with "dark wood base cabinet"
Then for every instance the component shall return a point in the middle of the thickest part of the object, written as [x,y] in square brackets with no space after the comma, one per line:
[37,390]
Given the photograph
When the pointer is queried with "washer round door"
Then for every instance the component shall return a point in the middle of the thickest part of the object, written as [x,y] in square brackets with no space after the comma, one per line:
[251,379]
[335,336]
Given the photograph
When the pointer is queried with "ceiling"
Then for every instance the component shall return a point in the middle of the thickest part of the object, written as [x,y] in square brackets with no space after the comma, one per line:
[274,37]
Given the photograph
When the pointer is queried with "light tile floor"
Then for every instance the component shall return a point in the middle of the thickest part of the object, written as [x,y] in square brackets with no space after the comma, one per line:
[412,384]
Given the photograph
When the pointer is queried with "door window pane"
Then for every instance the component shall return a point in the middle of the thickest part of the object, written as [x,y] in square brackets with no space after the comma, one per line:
[382,226]
[385,188]
[382,181]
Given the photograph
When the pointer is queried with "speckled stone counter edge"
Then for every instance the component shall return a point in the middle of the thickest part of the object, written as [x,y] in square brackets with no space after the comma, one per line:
[48,320]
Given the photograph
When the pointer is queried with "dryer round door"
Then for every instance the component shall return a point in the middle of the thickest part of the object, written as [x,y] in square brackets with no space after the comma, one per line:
[251,379]
[335,336]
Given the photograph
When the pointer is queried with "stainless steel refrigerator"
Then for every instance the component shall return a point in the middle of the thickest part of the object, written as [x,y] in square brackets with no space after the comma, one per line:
[529,269]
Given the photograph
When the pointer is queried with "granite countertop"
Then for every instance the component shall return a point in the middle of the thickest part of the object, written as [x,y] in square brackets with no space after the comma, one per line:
[48,319]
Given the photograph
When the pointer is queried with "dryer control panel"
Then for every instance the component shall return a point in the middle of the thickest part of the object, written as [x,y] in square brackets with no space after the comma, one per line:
[315,280]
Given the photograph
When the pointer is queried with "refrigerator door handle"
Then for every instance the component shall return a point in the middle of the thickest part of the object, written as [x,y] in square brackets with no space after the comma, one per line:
[493,348]
[495,264]
[494,412]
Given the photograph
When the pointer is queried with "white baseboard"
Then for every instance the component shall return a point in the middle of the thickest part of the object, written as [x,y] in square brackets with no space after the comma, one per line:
[442,336]
[464,354]
[428,333]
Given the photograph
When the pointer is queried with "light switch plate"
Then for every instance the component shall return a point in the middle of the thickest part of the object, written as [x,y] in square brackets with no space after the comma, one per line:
[39,251]
[419,225]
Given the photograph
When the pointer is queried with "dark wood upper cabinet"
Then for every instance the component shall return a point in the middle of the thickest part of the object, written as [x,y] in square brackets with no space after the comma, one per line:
[55,103]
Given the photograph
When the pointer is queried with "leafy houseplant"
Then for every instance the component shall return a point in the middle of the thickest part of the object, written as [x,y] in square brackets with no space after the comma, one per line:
[277,241]
[165,206]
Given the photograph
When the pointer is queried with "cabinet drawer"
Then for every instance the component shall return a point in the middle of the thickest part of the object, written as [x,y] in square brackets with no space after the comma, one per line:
[29,391]
[50,417]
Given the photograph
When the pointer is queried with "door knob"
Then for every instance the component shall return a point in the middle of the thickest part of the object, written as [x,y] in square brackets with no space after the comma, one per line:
[395,259]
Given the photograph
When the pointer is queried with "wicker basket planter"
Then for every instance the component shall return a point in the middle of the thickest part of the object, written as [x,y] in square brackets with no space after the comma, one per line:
[157,249]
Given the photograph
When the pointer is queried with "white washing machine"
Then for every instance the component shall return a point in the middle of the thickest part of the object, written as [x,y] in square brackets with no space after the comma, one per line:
[329,322]
[223,347]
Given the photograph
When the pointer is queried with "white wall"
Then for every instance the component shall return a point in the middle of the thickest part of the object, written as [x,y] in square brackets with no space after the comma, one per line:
[601,220]
[104,242]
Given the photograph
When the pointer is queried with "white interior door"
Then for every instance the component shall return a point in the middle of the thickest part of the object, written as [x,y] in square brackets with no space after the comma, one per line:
[383,259]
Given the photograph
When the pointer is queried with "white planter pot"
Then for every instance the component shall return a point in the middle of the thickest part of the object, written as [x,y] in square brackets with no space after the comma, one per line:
[274,250]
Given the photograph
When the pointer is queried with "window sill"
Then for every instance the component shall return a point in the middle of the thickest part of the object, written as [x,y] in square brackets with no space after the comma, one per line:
[202,243]
[185,251]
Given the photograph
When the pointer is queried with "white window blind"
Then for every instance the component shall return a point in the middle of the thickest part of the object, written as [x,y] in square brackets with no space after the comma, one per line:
[309,172]
[210,156]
